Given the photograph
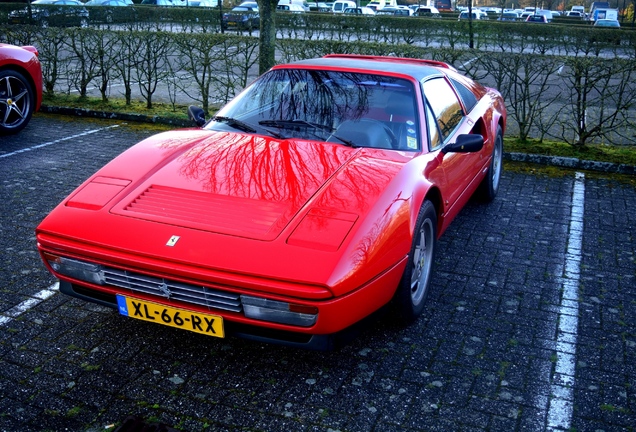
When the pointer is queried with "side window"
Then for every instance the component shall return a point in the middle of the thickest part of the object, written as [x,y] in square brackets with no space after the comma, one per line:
[445,105]
[466,95]
[433,132]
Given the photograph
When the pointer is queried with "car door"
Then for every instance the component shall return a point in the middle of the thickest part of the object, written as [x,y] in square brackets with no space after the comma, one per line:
[446,120]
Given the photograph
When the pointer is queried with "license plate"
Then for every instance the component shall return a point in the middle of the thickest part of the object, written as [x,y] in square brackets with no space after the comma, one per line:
[231,23]
[210,325]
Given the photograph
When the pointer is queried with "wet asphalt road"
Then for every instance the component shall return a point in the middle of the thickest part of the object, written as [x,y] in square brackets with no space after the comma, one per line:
[530,325]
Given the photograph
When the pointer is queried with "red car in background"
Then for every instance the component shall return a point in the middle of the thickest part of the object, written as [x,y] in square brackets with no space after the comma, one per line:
[20,86]
[310,201]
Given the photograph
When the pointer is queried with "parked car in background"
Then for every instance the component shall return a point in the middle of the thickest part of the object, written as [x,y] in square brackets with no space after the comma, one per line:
[20,86]
[509,16]
[604,13]
[576,14]
[300,3]
[45,13]
[167,3]
[377,5]
[359,11]
[290,8]
[476,15]
[339,6]
[542,19]
[209,3]
[607,23]
[578,8]
[103,11]
[546,13]
[111,3]
[242,17]
[427,11]
[336,175]
[394,11]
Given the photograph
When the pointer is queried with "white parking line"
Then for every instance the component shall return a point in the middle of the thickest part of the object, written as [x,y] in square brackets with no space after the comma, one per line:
[56,141]
[21,308]
[561,403]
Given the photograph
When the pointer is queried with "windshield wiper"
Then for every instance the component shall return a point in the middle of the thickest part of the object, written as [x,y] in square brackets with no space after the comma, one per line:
[294,123]
[344,141]
[235,123]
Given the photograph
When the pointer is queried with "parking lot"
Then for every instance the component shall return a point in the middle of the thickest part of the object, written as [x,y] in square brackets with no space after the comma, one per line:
[530,325]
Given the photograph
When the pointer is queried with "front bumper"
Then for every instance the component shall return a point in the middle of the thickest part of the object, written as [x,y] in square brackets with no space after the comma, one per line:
[335,316]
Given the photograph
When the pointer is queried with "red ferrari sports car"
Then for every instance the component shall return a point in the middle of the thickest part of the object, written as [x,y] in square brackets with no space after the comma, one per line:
[311,200]
[20,86]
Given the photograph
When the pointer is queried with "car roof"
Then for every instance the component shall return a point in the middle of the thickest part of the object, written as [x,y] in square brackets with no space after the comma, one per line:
[417,68]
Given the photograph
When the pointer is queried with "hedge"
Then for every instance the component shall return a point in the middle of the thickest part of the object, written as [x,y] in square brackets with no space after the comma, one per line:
[573,85]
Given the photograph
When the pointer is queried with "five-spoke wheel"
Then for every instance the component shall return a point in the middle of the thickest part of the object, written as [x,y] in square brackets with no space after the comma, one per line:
[16,101]
[490,184]
[414,286]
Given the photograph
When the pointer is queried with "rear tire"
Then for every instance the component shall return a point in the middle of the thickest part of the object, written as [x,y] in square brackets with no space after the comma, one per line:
[415,283]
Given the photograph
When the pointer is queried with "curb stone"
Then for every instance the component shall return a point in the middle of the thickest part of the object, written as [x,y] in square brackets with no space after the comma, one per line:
[565,162]
[573,163]
[82,112]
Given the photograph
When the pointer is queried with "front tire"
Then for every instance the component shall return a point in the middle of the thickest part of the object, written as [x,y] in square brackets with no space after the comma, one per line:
[416,280]
[17,101]
[490,184]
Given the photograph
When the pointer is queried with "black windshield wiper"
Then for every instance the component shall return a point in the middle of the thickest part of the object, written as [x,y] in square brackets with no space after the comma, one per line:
[243,126]
[344,141]
[294,123]
[234,123]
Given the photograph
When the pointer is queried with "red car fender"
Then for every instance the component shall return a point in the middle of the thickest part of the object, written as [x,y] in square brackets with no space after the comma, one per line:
[24,60]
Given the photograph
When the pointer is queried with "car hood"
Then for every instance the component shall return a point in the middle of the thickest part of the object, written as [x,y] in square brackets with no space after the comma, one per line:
[243,204]
[233,184]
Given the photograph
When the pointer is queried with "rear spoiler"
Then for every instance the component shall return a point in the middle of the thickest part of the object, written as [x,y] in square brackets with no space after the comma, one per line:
[393,59]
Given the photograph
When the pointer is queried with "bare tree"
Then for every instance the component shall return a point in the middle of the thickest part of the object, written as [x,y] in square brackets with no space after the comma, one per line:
[151,68]
[102,54]
[126,59]
[601,96]
[524,82]
[86,68]
[51,42]
[267,36]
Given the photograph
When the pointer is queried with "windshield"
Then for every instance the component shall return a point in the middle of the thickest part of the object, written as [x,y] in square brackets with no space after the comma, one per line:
[359,109]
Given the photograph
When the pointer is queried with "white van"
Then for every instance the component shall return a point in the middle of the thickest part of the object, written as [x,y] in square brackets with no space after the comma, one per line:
[579,8]
[377,5]
[301,3]
[602,13]
[427,11]
[339,6]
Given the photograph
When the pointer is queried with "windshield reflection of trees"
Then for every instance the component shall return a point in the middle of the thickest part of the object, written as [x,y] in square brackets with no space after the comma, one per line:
[288,172]
[317,96]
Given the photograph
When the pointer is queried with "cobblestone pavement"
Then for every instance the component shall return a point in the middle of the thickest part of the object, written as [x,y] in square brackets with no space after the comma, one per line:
[530,325]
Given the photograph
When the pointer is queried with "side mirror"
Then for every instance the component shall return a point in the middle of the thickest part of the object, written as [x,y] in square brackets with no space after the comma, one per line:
[197,115]
[467,143]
